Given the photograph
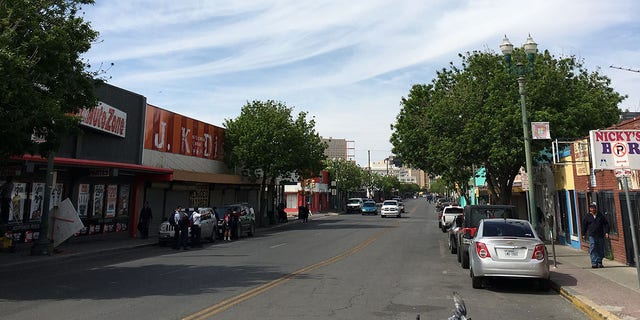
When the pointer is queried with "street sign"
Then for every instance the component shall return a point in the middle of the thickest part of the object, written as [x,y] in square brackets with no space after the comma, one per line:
[622,172]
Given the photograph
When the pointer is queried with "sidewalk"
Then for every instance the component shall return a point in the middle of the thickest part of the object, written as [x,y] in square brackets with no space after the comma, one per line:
[612,292]
[609,293]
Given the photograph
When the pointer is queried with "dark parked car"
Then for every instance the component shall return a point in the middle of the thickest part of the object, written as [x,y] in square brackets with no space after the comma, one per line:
[243,216]
[473,214]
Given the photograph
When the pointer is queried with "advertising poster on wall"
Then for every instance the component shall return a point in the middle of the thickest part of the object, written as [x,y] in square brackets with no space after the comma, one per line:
[112,200]
[18,196]
[123,200]
[37,199]
[98,200]
[83,199]
[56,196]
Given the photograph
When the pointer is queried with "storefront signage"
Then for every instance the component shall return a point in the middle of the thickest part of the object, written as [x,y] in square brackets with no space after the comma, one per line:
[166,131]
[105,118]
[612,149]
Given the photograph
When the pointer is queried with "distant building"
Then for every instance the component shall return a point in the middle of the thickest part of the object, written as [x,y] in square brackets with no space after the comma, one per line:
[340,149]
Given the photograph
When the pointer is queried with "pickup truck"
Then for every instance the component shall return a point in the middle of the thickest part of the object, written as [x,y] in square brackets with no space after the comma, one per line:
[449,214]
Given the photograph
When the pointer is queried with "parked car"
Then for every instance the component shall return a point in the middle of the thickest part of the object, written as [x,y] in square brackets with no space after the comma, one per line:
[449,213]
[454,229]
[208,227]
[473,214]
[354,205]
[508,248]
[245,219]
[369,207]
[390,208]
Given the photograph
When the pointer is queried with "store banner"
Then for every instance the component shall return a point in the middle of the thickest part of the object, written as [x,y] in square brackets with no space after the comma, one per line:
[123,200]
[98,200]
[112,200]
[83,199]
[64,223]
[37,200]
[18,197]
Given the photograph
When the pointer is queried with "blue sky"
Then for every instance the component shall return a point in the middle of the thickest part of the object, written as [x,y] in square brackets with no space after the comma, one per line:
[346,63]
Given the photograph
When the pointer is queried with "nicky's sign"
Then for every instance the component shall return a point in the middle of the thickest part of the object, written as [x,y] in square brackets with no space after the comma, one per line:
[614,149]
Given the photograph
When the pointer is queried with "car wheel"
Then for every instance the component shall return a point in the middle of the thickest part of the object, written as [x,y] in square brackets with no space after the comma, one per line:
[459,254]
[465,260]
[476,282]
[444,228]
[439,225]
[239,230]
[252,230]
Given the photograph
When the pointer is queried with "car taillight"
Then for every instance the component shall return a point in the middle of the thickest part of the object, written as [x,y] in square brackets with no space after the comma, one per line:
[482,250]
[538,252]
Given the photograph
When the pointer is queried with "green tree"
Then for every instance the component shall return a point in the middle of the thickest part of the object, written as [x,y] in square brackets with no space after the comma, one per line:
[269,143]
[348,175]
[470,115]
[43,80]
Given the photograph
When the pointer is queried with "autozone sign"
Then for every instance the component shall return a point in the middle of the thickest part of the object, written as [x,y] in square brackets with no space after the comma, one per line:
[614,149]
[105,118]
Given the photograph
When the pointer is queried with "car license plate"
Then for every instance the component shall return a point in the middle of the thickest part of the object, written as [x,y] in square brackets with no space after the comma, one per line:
[510,252]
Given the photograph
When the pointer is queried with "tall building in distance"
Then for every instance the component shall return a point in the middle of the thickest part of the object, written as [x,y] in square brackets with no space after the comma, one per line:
[340,149]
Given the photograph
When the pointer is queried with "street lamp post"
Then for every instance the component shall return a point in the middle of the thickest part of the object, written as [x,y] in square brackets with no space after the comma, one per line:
[530,48]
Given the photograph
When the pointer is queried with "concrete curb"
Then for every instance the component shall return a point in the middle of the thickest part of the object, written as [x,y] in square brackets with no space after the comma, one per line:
[589,307]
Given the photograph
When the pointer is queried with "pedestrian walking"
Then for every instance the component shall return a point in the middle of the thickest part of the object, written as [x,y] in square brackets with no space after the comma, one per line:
[195,229]
[145,220]
[303,213]
[595,227]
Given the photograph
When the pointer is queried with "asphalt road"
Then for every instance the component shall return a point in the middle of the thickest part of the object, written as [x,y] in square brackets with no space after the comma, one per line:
[334,267]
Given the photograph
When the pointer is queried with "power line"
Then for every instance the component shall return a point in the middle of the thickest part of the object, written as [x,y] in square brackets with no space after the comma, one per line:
[626,69]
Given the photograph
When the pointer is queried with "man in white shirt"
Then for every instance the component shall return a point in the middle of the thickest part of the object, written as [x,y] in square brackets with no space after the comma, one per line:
[195,229]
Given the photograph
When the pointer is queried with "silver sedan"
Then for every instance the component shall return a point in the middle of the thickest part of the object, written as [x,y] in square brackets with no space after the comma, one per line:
[508,248]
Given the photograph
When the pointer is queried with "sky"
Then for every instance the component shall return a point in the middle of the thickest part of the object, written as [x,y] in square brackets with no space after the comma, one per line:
[346,63]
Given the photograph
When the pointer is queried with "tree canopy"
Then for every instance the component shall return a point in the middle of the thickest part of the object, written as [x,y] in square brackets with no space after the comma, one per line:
[267,142]
[469,116]
[43,80]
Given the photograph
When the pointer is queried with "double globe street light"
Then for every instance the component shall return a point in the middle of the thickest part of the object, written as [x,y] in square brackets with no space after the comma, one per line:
[530,49]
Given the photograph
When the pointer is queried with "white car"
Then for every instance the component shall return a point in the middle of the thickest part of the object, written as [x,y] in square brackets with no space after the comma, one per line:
[390,208]
[354,205]
[208,227]
[449,214]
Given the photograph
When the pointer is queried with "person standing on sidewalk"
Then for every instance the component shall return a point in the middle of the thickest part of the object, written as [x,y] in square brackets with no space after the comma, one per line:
[195,229]
[596,227]
[145,220]
[174,219]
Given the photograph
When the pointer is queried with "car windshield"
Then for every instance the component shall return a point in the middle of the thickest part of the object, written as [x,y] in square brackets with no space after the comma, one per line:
[369,204]
[454,210]
[353,201]
[390,203]
[223,209]
[506,228]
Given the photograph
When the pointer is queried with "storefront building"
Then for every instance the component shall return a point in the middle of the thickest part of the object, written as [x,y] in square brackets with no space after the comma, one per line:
[604,188]
[128,152]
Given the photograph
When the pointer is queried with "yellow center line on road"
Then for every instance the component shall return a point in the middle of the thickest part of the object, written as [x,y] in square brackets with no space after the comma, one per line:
[228,303]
